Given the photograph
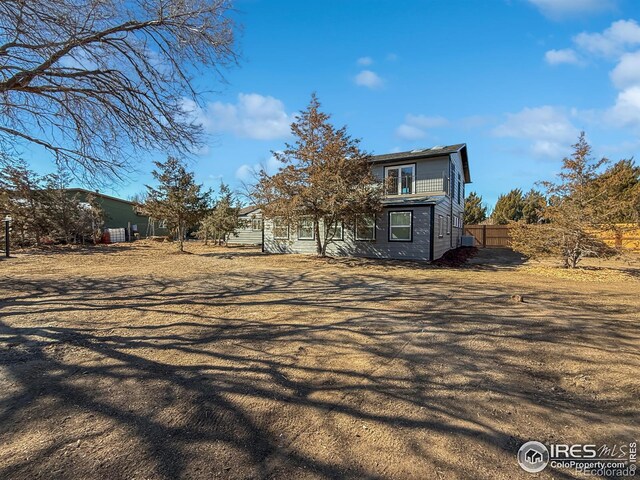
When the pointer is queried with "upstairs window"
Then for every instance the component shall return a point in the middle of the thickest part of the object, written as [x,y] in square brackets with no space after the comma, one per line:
[459,190]
[400,180]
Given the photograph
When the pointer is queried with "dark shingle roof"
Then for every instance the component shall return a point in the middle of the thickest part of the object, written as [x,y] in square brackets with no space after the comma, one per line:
[437,151]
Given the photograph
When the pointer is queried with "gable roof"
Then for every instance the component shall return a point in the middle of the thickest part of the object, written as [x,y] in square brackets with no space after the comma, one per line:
[98,194]
[249,209]
[437,151]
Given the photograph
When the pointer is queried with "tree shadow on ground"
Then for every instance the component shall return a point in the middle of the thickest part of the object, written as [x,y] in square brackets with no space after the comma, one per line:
[298,375]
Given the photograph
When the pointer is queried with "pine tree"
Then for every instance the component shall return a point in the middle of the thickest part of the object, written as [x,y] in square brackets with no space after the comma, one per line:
[178,199]
[533,206]
[508,207]
[474,211]
[223,219]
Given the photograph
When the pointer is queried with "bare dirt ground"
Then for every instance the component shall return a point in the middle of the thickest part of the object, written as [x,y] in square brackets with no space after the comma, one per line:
[135,362]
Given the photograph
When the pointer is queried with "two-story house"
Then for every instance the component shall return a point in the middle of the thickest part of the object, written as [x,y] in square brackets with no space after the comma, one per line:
[422,211]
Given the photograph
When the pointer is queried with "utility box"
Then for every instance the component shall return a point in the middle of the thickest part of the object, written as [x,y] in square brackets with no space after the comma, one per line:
[467,241]
[115,235]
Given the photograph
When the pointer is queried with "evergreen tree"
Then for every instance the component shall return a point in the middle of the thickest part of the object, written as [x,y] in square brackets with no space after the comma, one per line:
[474,211]
[533,206]
[223,219]
[508,207]
[178,199]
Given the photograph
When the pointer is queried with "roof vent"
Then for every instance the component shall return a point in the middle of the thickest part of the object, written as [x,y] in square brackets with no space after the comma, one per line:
[437,147]
[418,150]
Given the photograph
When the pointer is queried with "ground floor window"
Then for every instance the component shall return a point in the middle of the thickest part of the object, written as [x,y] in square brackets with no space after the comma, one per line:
[336,231]
[280,229]
[256,224]
[448,224]
[366,228]
[400,226]
[440,226]
[305,229]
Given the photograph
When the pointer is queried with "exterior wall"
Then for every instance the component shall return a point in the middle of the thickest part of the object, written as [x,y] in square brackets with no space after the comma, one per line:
[119,213]
[458,203]
[246,235]
[431,174]
[381,247]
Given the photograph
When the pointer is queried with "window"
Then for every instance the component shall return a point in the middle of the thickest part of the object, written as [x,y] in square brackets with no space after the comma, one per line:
[256,224]
[440,226]
[305,229]
[400,226]
[459,192]
[448,224]
[280,228]
[400,180]
[365,228]
[336,231]
[456,221]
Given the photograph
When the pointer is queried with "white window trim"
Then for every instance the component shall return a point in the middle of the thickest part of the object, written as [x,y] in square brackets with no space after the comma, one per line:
[274,231]
[313,231]
[440,226]
[360,239]
[410,225]
[399,168]
[448,224]
[336,237]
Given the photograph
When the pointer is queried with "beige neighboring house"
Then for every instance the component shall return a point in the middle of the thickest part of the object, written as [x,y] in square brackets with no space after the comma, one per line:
[250,233]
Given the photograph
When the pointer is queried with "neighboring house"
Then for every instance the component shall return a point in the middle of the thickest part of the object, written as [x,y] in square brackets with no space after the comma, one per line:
[422,214]
[250,232]
[119,213]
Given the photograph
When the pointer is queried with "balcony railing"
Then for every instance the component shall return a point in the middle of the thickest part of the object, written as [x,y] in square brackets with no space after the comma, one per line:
[420,186]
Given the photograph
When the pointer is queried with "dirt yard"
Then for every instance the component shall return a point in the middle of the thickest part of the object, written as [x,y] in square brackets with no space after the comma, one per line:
[133,362]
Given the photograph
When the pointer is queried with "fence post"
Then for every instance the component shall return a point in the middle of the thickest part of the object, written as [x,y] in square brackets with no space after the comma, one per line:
[484,236]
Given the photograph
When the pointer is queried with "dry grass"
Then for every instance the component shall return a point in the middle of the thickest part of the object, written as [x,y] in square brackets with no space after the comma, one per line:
[132,362]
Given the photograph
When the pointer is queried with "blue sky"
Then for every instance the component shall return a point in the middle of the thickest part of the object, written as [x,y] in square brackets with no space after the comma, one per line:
[514,79]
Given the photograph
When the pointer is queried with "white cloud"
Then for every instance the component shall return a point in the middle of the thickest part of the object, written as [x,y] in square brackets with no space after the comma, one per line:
[369,79]
[415,126]
[558,57]
[247,172]
[364,61]
[558,9]
[626,111]
[627,71]
[613,41]
[253,116]
[547,128]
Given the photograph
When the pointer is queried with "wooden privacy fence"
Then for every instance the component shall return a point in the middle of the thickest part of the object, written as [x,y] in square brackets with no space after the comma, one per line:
[628,236]
[489,235]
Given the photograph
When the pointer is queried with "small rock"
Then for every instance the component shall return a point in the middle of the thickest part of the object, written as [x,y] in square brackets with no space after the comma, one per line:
[517,299]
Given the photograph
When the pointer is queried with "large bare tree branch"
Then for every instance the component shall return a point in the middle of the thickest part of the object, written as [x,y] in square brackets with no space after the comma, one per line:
[96,81]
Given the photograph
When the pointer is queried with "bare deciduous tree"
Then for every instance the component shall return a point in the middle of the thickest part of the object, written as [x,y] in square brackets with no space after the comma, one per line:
[92,81]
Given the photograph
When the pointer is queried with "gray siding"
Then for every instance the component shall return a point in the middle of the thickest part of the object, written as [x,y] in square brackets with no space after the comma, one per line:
[431,174]
[381,247]
[247,235]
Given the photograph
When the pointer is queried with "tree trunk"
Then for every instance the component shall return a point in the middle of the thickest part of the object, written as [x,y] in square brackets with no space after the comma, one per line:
[320,249]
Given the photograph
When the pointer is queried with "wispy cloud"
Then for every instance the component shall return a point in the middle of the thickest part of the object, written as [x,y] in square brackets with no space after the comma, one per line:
[612,42]
[364,61]
[247,172]
[548,130]
[566,55]
[562,9]
[253,116]
[415,127]
[369,79]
